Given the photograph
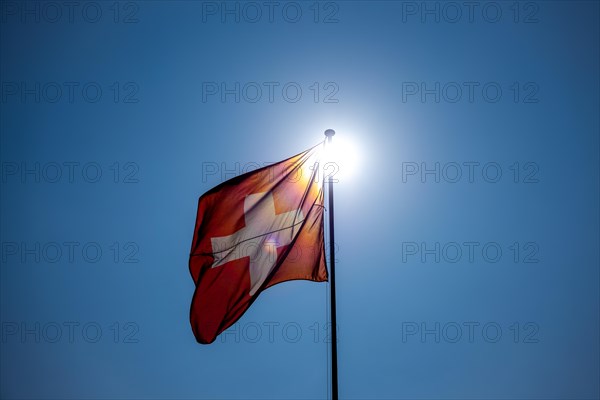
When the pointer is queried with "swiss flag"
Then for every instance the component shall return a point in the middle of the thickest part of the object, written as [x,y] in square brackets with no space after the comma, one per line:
[252,232]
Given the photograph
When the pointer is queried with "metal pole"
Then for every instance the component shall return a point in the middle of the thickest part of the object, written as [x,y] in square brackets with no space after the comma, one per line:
[334,371]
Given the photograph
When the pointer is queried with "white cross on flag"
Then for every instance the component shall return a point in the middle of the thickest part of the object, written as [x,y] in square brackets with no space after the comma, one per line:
[252,232]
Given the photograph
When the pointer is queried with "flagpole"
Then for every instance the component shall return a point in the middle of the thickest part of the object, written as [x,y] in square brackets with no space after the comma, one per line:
[334,372]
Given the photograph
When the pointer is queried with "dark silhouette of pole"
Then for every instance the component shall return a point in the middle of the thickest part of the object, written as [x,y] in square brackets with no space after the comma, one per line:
[334,370]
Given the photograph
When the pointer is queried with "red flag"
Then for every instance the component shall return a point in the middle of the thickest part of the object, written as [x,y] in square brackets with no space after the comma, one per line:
[252,232]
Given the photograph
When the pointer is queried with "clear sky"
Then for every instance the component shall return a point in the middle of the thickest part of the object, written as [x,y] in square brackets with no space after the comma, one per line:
[467,232]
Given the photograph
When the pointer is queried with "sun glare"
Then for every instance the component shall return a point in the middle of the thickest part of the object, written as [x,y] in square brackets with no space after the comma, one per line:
[341,158]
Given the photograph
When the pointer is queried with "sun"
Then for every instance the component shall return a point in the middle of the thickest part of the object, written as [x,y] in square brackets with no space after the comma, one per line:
[340,159]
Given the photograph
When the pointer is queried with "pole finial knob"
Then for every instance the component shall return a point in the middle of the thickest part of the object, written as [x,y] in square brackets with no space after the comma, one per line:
[329,133]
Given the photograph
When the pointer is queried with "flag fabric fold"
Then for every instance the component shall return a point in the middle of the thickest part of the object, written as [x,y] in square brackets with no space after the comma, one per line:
[253,231]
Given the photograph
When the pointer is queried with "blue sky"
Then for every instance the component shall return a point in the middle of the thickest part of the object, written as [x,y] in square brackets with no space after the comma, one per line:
[467,232]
